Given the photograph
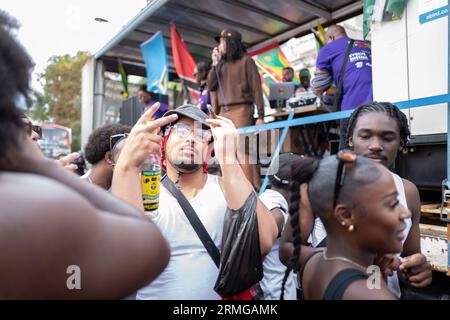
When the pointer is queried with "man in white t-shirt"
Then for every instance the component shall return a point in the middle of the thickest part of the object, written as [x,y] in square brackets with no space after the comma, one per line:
[191,273]
[275,200]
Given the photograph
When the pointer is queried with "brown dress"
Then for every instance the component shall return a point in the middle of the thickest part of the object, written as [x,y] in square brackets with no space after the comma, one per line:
[233,97]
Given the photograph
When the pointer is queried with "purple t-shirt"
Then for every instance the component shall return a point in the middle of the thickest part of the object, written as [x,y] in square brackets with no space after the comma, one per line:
[158,114]
[357,86]
[204,98]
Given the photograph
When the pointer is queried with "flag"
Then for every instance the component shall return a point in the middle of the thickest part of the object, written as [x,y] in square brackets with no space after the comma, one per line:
[184,63]
[155,58]
[381,10]
[396,8]
[124,79]
[319,35]
[270,62]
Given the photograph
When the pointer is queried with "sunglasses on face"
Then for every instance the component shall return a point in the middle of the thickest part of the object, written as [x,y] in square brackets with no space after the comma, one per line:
[31,127]
[115,138]
[344,157]
[183,131]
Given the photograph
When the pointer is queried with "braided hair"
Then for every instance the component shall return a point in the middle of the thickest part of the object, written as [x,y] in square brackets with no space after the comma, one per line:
[302,170]
[391,110]
[320,176]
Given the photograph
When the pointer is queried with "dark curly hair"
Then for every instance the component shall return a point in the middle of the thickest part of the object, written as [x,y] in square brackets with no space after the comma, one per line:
[386,107]
[15,72]
[98,142]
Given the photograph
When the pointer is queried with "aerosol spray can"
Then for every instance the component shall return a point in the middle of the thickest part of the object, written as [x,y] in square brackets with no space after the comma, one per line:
[150,182]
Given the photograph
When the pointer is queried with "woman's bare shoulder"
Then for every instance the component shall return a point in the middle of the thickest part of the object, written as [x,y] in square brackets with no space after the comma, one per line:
[20,192]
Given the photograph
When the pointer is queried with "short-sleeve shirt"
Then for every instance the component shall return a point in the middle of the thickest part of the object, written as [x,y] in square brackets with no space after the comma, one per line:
[274,269]
[357,86]
[159,113]
[191,273]
[204,98]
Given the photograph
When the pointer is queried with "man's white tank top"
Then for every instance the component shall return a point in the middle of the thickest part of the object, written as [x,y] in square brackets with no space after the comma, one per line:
[393,283]
[191,273]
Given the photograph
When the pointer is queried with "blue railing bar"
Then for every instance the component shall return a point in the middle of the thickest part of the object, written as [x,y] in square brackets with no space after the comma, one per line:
[276,153]
[421,102]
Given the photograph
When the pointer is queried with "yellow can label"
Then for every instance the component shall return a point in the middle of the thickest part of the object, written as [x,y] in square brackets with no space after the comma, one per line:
[150,182]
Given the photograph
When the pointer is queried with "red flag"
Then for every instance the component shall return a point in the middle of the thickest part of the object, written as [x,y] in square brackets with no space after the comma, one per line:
[184,63]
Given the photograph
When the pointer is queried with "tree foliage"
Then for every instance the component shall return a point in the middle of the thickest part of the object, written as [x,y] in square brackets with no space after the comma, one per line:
[62,92]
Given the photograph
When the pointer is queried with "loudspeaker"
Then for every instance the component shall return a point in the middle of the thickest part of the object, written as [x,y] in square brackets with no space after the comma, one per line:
[130,111]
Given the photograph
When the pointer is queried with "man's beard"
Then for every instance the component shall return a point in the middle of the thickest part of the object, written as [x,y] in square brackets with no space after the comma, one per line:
[186,167]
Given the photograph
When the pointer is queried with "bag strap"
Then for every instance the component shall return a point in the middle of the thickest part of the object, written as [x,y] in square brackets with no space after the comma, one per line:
[338,100]
[195,221]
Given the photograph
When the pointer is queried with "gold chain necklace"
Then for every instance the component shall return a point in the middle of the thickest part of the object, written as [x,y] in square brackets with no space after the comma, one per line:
[362,268]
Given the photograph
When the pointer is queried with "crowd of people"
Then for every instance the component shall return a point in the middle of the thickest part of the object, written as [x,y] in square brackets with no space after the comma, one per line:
[342,227]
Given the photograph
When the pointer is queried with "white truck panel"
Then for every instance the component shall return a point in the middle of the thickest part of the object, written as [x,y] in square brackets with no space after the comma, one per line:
[410,61]
[428,69]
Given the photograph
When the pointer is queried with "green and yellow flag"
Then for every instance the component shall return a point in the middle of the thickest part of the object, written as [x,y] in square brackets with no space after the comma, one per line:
[270,62]
[319,35]
[124,79]
[381,10]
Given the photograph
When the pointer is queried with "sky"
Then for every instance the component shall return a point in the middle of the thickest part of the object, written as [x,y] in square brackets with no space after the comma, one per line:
[57,27]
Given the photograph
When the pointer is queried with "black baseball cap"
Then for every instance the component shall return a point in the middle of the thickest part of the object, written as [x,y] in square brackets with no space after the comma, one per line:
[282,177]
[189,111]
[229,33]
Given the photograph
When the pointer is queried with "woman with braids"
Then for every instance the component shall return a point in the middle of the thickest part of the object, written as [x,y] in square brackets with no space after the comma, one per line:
[62,237]
[378,131]
[357,200]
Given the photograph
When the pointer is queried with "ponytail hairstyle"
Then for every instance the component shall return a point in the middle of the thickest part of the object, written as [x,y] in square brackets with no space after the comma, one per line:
[302,171]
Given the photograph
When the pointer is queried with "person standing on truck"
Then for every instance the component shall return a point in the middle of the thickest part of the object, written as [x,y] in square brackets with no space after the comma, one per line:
[288,74]
[235,86]
[305,81]
[378,131]
[347,63]
[145,98]
[201,73]
[357,78]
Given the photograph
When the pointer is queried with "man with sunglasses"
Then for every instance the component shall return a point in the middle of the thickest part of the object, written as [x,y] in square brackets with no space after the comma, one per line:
[187,142]
[34,131]
[98,152]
